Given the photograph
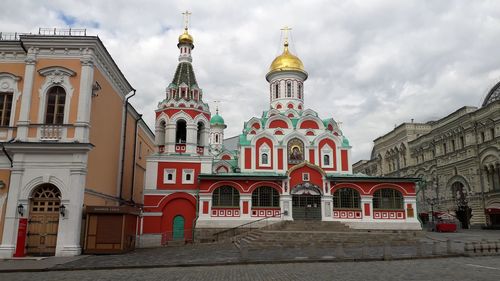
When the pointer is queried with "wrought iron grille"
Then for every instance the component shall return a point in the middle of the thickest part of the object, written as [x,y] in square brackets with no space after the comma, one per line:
[387,199]
[347,198]
[265,196]
[226,196]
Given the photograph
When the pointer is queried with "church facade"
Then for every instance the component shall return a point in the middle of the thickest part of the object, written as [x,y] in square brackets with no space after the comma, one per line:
[288,164]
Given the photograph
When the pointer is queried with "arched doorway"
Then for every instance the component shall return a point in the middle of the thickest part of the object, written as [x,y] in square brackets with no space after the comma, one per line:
[306,202]
[43,220]
[462,211]
[178,228]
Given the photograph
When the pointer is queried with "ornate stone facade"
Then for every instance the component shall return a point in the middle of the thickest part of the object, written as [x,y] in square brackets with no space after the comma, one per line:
[457,157]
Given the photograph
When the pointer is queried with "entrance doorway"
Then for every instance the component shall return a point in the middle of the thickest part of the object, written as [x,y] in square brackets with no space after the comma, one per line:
[43,220]
[306,207]
[463,211]
[178,228]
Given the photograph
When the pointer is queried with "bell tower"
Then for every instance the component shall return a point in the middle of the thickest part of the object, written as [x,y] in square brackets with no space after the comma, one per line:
[286,78]
[182,118]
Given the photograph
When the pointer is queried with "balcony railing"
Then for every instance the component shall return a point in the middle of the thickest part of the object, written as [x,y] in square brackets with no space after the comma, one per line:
[51,132]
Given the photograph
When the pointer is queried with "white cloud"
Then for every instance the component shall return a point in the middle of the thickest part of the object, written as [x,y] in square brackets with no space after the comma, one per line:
[371,64]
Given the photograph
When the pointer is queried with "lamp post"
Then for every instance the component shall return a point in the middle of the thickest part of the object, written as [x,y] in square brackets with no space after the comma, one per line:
[432,202]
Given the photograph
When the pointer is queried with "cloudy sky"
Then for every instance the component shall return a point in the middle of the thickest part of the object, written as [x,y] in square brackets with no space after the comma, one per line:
[371,64]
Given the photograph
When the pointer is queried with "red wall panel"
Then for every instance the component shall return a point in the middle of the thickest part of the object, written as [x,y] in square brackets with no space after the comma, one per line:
[248,158]
[343,158]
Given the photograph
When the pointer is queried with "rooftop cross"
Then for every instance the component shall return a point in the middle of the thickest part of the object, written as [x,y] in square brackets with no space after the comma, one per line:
[286,30]
[186,15]
[216,106]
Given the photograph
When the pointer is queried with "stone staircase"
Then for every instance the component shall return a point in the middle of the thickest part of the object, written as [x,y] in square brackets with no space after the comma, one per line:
[300,234]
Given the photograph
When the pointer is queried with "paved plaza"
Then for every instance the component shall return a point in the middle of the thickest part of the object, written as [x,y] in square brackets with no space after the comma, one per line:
[225,262]
[479,268]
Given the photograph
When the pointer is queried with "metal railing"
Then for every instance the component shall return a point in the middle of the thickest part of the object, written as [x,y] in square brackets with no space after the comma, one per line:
[168,237]
[62,31]
[14,36]
[244,228]
[11,36]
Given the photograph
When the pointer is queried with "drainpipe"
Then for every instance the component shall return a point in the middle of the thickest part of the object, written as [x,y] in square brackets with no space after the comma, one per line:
[7,154]
[124,140]
[134,160]
[22,46]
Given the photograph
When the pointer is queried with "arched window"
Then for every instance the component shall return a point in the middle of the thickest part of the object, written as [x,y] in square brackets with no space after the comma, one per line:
[265,196]
[387,199]
[265,159]
[160,133]
[226,196]
[299,90]
[180,132]
[326,160]
[199,139]
[346,198]
[289,89]
[56,98]
[277,90]
[216,138]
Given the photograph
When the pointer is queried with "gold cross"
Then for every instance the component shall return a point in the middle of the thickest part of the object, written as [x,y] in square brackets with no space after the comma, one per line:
[186,15]
[286,30]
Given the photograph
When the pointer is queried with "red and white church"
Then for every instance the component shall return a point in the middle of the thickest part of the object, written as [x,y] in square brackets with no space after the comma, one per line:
[288,164]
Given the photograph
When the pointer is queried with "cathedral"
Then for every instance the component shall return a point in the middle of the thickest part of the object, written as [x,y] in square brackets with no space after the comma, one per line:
[287,164]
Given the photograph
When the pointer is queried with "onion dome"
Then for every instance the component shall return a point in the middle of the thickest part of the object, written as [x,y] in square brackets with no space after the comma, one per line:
[186,38]
[286,61]
[217,119]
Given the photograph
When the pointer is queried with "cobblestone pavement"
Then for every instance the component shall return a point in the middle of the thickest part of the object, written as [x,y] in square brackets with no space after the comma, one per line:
[215,254]
[478,268]
[227,253]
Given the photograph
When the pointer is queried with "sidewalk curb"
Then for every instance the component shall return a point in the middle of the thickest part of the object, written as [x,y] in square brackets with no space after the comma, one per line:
[257,262]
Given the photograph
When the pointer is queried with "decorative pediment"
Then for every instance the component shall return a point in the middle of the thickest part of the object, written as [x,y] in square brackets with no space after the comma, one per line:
[56,71]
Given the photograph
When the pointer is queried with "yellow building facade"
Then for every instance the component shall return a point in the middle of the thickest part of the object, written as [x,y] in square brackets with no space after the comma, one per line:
[69,139]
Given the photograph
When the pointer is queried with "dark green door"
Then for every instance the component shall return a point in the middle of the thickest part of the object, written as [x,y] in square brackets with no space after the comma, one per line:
[178,228]
[306,207]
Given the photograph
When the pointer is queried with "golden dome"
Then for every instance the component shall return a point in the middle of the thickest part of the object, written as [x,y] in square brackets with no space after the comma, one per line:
[286,61]
[185,37]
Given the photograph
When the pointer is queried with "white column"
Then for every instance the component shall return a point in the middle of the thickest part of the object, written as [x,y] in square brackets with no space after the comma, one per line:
[205,141]
[170,138]
[205,198]
[367,200]
[191,133]
[29,76]
[11,219]
[68,234]
[159,135]
[413,201]
[248,198]
[326,207]
[286,207]
[82,123]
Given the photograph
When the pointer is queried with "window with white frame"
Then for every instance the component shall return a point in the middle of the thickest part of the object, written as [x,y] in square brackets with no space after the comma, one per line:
[187,176]
[265,157]
[305,176]
[327,157]
[169,176]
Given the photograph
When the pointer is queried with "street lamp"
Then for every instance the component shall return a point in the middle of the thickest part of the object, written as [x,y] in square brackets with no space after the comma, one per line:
[20,209]
[432,202]
[62,210]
